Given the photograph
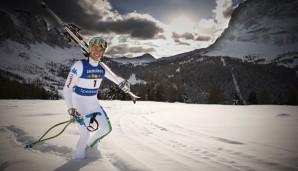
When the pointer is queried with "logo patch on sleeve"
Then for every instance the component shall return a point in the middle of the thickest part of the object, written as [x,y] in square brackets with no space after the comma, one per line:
[74,71]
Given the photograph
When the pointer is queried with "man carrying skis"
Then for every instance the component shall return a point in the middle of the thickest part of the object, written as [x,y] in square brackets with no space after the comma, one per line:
[80,93]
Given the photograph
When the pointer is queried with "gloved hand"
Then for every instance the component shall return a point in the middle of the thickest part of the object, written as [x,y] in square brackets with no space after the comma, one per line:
[124,86]
[72,112]
[75,115]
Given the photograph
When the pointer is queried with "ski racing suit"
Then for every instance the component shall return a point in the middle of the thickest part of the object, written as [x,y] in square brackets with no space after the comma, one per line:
[80,92]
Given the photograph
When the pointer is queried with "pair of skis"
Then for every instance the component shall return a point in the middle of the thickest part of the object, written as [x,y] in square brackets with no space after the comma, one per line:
[72,33]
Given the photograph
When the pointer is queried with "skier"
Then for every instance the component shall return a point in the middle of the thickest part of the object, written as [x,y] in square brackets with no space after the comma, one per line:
[80,93]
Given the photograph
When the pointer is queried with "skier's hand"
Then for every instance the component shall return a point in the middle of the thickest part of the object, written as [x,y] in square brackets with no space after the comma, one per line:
[124,86]
[72,112]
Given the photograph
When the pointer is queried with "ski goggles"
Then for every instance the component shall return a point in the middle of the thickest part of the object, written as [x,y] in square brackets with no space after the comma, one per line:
[98,41]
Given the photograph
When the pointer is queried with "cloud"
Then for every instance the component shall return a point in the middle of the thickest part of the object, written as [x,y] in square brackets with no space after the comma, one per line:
[206,23]
[177,41]
[123,39]
[203,38]
[102,19]
[211,29]
[135,27]
[187,36]
[223,11]
[100,8]
[228,12]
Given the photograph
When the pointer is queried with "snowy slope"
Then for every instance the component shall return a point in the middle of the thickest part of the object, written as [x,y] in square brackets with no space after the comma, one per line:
[34,62]
[155,136]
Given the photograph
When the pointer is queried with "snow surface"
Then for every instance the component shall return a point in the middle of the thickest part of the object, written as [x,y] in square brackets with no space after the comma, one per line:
[154,136]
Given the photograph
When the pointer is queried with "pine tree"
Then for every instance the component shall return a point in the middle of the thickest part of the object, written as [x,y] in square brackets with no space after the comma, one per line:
[252,98]
[215,95]
[292,98]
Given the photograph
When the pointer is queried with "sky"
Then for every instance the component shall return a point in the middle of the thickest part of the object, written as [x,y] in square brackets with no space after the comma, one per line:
[134,27]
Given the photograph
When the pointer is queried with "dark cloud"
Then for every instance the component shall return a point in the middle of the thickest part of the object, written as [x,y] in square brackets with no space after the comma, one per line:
[136,27]
[203,38]
[187,36]
[177,41]
[123,50]
[87,17]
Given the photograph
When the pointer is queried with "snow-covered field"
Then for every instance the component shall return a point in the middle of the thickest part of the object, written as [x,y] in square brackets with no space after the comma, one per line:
[154,136]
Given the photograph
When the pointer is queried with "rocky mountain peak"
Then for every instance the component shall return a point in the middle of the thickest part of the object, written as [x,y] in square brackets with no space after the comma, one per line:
[264,29]
[22,27]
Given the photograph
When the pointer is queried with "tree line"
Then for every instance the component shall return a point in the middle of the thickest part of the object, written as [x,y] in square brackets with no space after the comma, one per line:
[18,89]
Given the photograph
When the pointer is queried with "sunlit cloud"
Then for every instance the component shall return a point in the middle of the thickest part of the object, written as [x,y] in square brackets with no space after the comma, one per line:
[182,24]
[223,11]
[206,23]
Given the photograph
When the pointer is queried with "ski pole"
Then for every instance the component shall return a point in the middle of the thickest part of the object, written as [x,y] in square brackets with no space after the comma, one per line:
[42,140]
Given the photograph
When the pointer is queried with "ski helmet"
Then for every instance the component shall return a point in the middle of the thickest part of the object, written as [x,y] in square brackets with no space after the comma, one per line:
[99,41]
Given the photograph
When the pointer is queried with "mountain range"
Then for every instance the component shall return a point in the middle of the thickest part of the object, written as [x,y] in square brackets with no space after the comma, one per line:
[255,58]
[140,60]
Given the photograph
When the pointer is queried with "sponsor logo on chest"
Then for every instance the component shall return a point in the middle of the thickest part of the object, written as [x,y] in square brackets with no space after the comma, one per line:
[94,71]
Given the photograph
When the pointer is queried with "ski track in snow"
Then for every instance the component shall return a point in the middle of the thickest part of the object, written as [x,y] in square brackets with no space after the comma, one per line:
[21,139]
[145,131]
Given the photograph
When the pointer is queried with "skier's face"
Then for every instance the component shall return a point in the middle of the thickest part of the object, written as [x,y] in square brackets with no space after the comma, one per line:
[97,52]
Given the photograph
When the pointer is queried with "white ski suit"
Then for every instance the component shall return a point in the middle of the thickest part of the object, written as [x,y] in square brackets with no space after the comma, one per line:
[80,92]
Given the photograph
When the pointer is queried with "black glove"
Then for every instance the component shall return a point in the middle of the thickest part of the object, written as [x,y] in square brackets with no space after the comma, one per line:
[125,86]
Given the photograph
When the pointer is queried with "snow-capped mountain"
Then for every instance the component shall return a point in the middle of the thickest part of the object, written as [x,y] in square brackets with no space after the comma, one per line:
[140,60]
[260,30]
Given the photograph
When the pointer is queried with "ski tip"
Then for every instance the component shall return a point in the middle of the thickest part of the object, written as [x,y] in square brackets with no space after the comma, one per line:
[133,95]
[43,4]
[137,97]
[28,146]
